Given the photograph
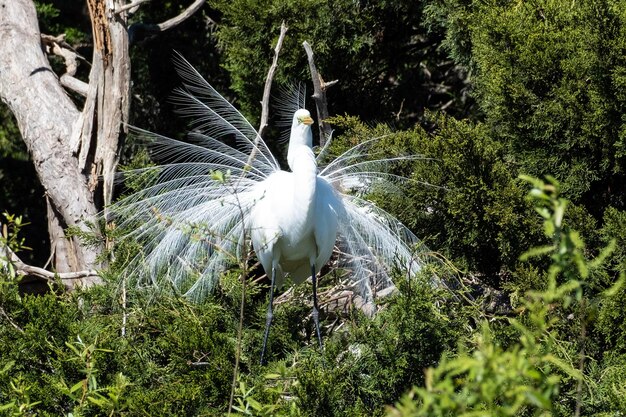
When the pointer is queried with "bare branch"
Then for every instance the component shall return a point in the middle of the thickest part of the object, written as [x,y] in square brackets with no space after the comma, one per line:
[24,269]
[319,95]
[139,29]
[268,80]
[177,20]
[58,46]
[266,92]
[132,5]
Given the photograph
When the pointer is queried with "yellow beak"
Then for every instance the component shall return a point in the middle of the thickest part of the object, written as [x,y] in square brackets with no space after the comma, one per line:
[307,120]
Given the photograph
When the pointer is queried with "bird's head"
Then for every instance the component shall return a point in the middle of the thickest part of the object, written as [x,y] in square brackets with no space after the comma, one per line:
[302,116]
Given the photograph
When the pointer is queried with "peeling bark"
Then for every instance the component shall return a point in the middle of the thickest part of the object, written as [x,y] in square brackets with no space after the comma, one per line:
[45,116]
[75,151]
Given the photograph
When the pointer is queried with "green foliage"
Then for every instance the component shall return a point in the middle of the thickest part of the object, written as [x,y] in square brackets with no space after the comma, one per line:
[97,352]
[394,72]
[528,376]
[10,238]
[10,139]
[461,198]
[20,191]
[549,77]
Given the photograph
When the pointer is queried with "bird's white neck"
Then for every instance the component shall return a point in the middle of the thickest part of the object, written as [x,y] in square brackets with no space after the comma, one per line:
[301,160]
[304,168]
[300,136]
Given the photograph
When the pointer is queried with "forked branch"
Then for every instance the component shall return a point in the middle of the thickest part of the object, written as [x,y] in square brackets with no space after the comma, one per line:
[319,95]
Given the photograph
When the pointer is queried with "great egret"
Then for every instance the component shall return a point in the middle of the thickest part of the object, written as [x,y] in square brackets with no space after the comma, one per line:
[192,213]
[294,224]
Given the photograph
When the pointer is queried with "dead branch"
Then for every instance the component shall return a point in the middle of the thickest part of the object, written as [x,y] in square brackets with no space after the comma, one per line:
[319,95]
[168,24]
[57,46]
[266,93]
[177,20]
[132,5]
[268,81]
[24,269]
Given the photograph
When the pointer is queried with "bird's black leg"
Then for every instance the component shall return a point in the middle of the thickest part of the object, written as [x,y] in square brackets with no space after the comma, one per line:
[316,312]
[268,318]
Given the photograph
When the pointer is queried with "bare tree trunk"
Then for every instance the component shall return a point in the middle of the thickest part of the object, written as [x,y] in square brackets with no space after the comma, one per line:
[71,150]
[75,151]
[109,90]
[45,116]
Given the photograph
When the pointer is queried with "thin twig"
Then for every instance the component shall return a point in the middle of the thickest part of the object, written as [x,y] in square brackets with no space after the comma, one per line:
[124,311]
[131,5]
[239,337]
[266,93]
[244,276]
[581,363]
[11,322]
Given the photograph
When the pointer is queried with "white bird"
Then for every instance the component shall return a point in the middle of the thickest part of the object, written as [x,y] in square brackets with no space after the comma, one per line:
[191,214]
[294,224]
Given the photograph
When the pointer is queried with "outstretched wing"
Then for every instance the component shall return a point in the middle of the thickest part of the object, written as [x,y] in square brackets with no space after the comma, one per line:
[371,241]
[188,213]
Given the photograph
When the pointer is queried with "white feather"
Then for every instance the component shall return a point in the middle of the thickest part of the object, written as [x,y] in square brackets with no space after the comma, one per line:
[191,226]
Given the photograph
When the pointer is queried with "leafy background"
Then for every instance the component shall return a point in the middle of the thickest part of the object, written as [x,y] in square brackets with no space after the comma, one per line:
[486,90]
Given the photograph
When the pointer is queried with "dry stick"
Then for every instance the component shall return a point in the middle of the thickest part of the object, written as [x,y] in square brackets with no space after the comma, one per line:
[263,126]
[265,102]
[581,363]
[124,311]
[131,5]
[24,269]
[319,95]
[168,24]
[175,21]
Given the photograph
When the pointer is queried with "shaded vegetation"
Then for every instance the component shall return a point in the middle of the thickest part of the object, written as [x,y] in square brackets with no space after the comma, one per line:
[531,320]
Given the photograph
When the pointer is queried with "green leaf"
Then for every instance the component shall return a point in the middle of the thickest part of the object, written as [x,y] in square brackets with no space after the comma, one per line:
[537,251]
[7,367]
[77,386]
[7,406]
[101,402]
[615,288]
[563,366]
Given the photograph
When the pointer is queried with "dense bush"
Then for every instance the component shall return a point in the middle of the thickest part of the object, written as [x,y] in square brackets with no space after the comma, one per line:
[509,88]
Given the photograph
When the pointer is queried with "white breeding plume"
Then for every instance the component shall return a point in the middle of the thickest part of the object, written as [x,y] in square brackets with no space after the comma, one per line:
[192,213]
